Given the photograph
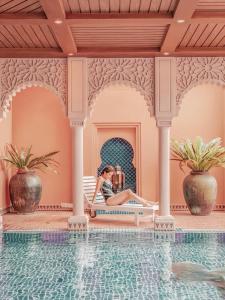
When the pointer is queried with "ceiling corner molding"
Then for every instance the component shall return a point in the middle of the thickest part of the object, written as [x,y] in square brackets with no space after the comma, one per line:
[17,74]
[134,72]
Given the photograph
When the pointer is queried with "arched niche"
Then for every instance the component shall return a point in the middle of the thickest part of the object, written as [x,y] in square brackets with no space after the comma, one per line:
[120,111]
[38,120]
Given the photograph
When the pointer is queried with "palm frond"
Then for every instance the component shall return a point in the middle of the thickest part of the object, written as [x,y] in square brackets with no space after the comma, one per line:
[23,158]
[197,155]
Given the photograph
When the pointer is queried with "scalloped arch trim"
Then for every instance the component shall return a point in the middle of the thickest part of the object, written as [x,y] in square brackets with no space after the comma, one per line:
[194,84]
[92,100]
[6,105]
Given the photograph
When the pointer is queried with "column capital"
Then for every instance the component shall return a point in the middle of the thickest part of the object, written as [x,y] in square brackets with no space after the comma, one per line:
[163,123]
[76,122]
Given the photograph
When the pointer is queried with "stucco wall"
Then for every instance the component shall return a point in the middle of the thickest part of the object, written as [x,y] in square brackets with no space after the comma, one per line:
[201,114]
[39,120]
[6,137]
[116,105]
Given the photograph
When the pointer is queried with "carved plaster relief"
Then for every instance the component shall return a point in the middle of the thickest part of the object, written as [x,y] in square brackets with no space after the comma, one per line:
[17,74]
[191,71]
[135,72]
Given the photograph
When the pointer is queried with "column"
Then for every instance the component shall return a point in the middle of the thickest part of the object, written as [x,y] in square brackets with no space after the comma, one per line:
[77,113]
[165,110]
[164,170]
[79,220]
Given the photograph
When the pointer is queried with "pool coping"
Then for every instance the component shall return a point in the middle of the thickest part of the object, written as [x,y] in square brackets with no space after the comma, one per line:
[125,229]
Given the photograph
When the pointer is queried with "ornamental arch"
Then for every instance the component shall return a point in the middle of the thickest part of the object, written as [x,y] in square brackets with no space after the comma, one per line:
[137,73]
[19,74]
[193,71]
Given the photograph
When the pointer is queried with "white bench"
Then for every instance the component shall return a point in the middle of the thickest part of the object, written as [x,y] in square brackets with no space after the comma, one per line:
[89,184]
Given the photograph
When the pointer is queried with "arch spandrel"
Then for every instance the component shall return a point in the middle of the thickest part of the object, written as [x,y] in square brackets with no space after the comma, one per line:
[135,72]
[18,74]
[193,71]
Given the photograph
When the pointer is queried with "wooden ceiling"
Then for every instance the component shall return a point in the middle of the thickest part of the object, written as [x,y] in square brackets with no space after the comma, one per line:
[112,28]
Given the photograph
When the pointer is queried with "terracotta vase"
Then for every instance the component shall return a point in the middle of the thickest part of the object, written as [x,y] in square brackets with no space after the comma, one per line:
[25,191]
[200,191]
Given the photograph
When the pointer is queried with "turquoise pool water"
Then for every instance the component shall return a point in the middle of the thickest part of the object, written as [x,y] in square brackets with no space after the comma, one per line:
[106,265]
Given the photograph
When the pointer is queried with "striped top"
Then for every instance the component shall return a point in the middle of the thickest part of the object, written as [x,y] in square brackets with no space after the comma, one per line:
[106,189]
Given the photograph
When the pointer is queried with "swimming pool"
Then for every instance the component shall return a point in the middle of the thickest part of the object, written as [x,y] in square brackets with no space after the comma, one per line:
[106,265]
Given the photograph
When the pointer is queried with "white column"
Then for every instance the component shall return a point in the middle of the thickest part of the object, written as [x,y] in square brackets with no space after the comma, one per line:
[79,220]
[164,221]
[164,171]
[77,169]
[165,110]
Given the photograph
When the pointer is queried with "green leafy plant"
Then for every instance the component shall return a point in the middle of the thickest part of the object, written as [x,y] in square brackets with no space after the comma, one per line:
[24,159]
[197,155]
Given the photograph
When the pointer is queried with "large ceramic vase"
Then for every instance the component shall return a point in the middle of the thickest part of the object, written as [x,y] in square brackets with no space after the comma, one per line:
[25,191]
[200,191]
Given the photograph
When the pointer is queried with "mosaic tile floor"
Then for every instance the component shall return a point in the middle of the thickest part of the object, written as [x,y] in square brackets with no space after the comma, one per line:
[106,265]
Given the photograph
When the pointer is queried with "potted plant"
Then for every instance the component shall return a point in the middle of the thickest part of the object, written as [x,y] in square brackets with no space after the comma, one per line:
[199,187]
[25,186]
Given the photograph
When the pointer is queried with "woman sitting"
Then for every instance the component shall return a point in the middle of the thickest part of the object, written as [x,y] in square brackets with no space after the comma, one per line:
[104,185]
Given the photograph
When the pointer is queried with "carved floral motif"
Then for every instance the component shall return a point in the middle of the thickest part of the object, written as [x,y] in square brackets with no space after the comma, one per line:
[136,72]
[17,74]
[194,70]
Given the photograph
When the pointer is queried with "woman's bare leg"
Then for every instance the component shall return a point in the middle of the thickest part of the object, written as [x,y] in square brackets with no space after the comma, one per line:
[118,199]
[125,196]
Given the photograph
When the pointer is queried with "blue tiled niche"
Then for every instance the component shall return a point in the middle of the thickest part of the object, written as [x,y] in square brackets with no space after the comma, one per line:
[118,151]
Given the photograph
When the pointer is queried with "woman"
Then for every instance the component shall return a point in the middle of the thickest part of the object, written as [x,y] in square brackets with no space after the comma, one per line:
[104,185]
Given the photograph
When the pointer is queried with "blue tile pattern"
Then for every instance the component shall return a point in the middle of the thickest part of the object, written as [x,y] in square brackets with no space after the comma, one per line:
[118,151]
[106,265]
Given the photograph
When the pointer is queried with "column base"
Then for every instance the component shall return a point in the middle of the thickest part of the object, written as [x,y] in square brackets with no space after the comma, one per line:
[164,223]
[164,236]
[78,223]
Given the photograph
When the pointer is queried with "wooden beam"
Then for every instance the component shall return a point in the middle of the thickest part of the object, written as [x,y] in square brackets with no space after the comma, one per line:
[31,52]
[54,10]
[184,11]
[152,16]
[200,51]
[109,52]
[112,19]
[118,52]
[202,17]
[23,19]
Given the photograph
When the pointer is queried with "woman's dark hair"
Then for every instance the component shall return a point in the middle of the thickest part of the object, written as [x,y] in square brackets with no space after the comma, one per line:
[107,169]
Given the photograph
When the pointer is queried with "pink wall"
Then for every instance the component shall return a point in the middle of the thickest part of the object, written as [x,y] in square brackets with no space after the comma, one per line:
[38,120]
[201,114]
[115,105]
[6,137]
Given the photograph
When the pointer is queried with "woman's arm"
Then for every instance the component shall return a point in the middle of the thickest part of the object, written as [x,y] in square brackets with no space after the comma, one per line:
[97,189]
